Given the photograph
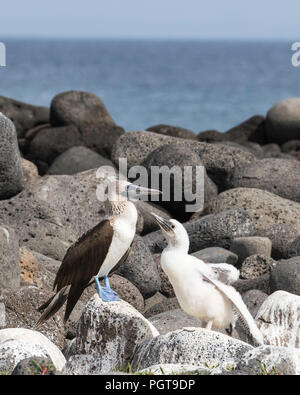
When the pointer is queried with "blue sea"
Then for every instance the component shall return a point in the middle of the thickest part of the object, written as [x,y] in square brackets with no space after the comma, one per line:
[194,84]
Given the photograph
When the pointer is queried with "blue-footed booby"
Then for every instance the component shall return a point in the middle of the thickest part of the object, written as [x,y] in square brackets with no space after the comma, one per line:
[203,290]
[97,253]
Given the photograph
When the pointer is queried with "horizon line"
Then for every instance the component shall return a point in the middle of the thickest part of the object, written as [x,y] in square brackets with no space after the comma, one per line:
[165,39]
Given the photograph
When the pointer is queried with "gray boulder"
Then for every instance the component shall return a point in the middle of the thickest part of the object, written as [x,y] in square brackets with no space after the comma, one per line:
[208,231]
[9,261]
[76,160]
[282,236]
[51,142]
[21,312]
[179,158]
[218,161]
[193,346]
[78,108]
[140,269]
[244,247]
[145,209]
[30,173]
[107,336]
[172,320]
[11,175]
[2,316]
[253,300]
[166,287]
[250,130]
[23,115]
[286,276]
[283,121]
[255,266]
[279,176]
[211,136]
[164,305]
[261,283]
[174,131]
[264,208]
[294,248]
[216,255]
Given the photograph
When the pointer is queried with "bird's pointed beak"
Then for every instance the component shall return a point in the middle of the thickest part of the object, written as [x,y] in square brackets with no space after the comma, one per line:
[164,224]
[139,191]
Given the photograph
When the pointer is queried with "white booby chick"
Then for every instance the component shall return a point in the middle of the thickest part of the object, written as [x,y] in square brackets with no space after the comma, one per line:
[99,252]
[198,286]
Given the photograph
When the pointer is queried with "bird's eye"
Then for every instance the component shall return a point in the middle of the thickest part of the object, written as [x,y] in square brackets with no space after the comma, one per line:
[173,226]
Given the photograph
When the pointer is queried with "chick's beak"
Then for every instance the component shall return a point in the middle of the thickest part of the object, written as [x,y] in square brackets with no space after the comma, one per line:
[164,224]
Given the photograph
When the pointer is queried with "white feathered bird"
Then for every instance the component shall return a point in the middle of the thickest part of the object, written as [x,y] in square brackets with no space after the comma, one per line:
[202,289]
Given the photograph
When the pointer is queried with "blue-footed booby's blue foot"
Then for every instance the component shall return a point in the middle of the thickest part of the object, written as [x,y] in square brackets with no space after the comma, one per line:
[106,293]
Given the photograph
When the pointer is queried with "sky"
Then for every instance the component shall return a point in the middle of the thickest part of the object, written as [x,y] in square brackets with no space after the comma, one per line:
[151,19]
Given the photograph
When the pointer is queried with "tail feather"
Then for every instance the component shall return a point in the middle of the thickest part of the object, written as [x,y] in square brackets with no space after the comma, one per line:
[52,306]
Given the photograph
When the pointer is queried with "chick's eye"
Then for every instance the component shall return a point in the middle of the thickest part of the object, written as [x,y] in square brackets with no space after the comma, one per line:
[172,226]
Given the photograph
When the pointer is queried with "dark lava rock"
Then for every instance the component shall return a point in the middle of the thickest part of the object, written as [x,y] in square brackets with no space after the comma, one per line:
[101,137]
[172,320]
[279,176]
[218,160]
[261,283]
[211,136]
[244,247]
[173,162]
[253,300]
[168,304]
[264,208]
[208,231]
[216,255]
[250,130]
[76,160]
[11,176]
[149,223]
[281,236]
[9,262]
[294,248]
[78,108]
[283,121]
[30,173]
[51,142]
[24,116]
[292,146]
[286,276]
[21,312]
[255,266]
[174,131]
[128,292]
[166,287]
[140,269]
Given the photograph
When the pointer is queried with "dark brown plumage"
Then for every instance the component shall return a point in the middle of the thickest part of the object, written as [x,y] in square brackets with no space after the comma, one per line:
[81,263]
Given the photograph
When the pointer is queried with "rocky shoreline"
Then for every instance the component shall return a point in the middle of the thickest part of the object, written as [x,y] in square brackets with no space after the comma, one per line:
[250,219]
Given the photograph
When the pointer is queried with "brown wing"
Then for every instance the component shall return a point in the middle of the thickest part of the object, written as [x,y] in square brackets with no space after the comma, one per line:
[84,258]
[114,269]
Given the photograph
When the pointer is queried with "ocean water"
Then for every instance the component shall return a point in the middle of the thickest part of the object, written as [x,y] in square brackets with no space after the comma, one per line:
[194,84]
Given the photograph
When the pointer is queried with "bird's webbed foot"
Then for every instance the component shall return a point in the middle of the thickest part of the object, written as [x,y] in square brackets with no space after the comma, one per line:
[105,292]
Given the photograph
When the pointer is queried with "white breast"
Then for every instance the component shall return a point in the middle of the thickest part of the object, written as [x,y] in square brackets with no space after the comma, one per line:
[122,238]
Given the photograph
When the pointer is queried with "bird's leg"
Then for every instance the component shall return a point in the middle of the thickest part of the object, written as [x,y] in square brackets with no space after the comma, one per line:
[209,325]
[106,293]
